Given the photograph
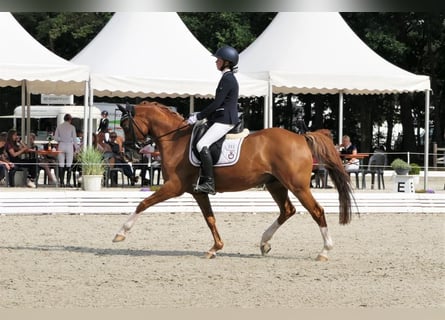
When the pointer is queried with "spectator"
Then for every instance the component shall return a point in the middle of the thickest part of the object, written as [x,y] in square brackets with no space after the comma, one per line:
[45,162]
[6,167]
[346,147]
[119,160]
[66,136]
[15,148]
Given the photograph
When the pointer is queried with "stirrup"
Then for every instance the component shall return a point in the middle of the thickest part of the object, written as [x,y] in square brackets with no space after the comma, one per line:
[204,188]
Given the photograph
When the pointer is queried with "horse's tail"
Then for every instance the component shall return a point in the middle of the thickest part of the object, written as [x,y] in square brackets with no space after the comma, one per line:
[324,151]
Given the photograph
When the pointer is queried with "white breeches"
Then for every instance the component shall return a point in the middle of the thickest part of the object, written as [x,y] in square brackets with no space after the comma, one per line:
[65,158]
[215,132]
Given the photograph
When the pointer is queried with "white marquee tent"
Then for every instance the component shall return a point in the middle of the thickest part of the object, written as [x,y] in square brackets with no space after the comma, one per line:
[153,54]
[25,62]
[317,52]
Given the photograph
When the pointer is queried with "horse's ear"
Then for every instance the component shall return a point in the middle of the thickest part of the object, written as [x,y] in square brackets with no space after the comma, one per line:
[130,109]
[122,109]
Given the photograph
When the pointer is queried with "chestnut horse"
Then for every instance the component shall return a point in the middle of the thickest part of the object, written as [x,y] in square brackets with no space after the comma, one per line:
[277,158]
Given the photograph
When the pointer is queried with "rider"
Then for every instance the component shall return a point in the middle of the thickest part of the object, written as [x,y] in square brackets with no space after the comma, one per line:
[103,125]
[221,114]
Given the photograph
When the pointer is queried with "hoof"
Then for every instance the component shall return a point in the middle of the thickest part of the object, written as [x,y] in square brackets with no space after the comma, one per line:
[210,255]
[118,238]
[265,248]
[321,258]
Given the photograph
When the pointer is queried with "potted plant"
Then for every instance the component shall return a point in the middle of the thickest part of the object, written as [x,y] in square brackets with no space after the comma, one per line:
[93,168]
[400,166]
[415,171]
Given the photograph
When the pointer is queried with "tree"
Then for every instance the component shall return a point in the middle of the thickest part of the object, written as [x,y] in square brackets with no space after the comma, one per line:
[64,33]
[237,29]
[415,42]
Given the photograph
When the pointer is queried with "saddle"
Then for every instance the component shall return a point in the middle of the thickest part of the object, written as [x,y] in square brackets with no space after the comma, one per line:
[225,151]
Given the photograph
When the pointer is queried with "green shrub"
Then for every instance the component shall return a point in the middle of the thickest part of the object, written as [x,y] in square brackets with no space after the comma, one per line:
[400,164]
[92,161]
[415,169]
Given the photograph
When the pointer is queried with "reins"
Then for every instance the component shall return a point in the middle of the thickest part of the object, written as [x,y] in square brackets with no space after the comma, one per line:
[170,132]
[134,124]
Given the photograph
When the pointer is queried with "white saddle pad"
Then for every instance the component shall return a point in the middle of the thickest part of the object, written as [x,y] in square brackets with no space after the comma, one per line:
[230,151]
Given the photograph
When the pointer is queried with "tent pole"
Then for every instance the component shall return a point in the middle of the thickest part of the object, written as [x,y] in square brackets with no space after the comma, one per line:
[271,110]
[340,117]
[268,106]
[192,104]
[85,115]
[22,131]
[90,122]
[265,111]
[28,116]
[426,139]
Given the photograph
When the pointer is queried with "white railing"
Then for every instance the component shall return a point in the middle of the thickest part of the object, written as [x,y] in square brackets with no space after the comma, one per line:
[125,201]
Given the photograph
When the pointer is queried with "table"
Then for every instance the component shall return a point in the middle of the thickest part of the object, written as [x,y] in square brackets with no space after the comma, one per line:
[52,153]
[357,156]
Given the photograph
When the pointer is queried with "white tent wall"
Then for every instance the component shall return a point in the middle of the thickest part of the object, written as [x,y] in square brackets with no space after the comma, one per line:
[318,53]
[27,63]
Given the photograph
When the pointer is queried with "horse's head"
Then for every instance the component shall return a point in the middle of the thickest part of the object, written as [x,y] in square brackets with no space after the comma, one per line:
[135,136]
[147,121]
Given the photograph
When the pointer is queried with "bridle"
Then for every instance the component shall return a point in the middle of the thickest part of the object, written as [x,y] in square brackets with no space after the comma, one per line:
[132,125]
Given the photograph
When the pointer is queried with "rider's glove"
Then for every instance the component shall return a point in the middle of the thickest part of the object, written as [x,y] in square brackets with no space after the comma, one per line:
[192,119]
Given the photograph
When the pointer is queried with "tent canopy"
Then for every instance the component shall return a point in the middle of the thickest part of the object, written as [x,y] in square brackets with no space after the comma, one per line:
[317,52]
[153,54]
[24,58]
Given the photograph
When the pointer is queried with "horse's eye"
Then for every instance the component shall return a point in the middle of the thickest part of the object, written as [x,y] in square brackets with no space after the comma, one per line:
[124,124]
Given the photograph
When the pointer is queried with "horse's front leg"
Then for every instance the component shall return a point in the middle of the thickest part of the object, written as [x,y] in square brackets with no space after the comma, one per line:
[204,204]
[164,193]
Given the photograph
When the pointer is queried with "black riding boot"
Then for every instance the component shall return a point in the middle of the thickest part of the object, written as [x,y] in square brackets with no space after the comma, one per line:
[62,176]
[68,177]
[206,181]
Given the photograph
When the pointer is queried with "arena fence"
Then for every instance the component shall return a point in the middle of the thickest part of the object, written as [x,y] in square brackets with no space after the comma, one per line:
[125,201]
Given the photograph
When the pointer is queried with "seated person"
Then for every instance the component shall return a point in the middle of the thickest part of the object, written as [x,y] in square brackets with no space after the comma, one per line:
[346,147]
[6,167]
[117,160]
[15,148]
[76,167]
[146,153]
[45,162]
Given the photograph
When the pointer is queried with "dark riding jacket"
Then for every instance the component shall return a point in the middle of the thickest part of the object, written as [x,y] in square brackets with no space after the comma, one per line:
[224,109]
[103,125]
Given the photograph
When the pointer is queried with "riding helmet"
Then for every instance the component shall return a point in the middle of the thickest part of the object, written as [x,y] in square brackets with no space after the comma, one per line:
[104,113]
[227,53]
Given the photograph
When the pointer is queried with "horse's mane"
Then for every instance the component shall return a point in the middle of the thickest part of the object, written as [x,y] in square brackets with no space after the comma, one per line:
[326,132]
[163,108]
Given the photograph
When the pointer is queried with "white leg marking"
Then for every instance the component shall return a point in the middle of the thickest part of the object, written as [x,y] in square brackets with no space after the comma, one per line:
[268,234]
[327,241]
[129,224]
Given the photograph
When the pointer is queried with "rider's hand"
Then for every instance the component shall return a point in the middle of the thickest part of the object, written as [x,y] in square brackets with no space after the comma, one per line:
[192,119]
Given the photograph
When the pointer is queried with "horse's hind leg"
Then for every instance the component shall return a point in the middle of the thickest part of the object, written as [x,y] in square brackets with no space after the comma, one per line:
[317,212]
[287,210]
[204,204]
